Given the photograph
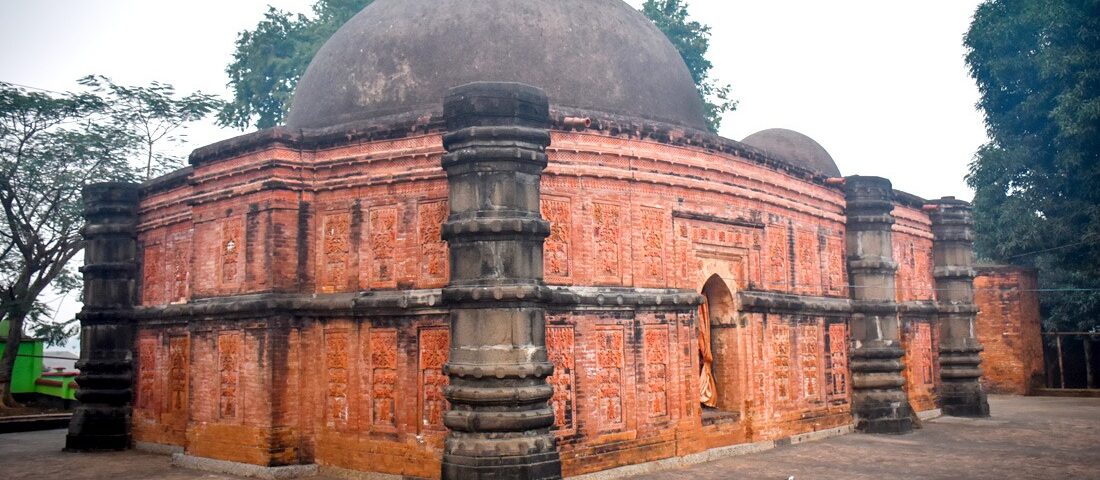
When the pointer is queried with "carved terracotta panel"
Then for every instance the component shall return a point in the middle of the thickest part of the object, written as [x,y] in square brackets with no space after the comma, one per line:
[434,348]
[653,245]
[383,356]
[178,361]
[152,279]
[608,235]
[778,261]
[835,266]
[180,256]
[810,355]
[655,347]
[781,360]
[338,373]
[560,350]
[232,248]
[558,245]
[229,375]
[433,250]
[609,366]
[147,375]
[837,372]
[335,252]
[808,264]
[383,243]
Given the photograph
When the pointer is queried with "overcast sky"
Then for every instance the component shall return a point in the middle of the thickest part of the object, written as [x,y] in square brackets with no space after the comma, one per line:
[882,85]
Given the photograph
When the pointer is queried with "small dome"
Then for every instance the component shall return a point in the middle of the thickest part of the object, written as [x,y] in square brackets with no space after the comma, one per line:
[795,149]
[401,56]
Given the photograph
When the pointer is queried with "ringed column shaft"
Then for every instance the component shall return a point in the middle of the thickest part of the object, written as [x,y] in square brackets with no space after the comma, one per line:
[499,422]
[101,421]
[961,392]
[880,403]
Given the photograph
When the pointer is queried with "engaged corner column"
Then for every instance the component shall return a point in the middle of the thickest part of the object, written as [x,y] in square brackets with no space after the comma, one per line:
[101,421]
[879,401]
[961,391]
[499,422]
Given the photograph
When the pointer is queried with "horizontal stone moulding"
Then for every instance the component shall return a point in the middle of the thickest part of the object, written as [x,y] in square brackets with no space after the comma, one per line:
[869,222]
[477,445]
[956,373]
[877,365]
[504,158]
[110,228]
[106,316]
[872,265]
[954,272]
[877,352]
[532,227]
[109,270]
[770,302]
[538,137]
[877,381]
[526,370]
[499,421]
[867,307]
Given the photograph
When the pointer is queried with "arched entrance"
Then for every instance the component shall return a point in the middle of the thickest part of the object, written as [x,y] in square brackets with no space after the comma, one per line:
[719,389]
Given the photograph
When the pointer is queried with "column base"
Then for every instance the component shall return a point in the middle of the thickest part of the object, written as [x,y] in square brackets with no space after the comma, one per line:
[543,466]
[96,443]
[964,400]
[891,426]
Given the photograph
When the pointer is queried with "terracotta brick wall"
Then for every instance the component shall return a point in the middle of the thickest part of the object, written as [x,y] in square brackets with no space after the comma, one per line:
[365,392]
[1009,327]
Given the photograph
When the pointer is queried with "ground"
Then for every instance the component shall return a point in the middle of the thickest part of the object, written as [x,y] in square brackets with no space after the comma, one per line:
[1027,437]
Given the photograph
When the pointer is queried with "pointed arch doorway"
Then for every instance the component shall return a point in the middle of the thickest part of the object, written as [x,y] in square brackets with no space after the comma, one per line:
[719,375]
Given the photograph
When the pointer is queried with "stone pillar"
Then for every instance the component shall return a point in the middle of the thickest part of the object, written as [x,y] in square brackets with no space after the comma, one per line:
[499,422]
[961,391]
[102,419]
[879,402]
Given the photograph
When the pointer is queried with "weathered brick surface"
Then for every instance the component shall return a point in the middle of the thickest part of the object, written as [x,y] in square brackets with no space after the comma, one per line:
[363,392]
[1009,327]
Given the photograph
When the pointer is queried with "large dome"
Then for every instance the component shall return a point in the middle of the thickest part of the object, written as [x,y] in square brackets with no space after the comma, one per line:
[400,57]
[794,148]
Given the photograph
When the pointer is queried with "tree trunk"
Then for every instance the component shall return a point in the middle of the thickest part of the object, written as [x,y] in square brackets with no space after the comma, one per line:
[7,361]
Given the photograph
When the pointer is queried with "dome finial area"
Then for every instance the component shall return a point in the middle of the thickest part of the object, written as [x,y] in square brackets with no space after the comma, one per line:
[794,148]
[399,57]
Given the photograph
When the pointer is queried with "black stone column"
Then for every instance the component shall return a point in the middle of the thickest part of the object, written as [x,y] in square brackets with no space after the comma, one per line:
[880,403]
[499,422]
[102,419]
[961,391]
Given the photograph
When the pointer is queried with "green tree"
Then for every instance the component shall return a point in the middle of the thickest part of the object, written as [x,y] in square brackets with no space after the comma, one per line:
[271,58]
[692,40]
[51,146]
[1037,199]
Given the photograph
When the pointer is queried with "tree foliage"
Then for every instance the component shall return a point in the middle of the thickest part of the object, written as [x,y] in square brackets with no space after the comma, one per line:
[1037,182]
[271,58]
[692,40]
[51,146]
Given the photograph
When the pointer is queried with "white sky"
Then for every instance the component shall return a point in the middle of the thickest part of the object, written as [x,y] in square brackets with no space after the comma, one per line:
[882,85]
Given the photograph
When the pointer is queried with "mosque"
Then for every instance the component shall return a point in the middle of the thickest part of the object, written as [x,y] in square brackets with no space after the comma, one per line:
[494,239]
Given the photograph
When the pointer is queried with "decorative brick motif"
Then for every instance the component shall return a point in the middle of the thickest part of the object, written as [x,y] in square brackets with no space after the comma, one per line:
[834,266]
[178,349]
[152,280]
[434,348]
[383,242]
[608,237]
[232,246]
[653,245]
[383,357]
[609,365]
[781,360]
[557,246]
[808,273]
[433,250]
[809,356]
[914,276]
[778,266]
[655,346]
[336,248]
[837,351]
[229,375]
[560,350]
[181,265]
[147,374]
[338,374]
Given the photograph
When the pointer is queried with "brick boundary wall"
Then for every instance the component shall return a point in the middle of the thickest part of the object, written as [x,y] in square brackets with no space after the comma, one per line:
[1009,327]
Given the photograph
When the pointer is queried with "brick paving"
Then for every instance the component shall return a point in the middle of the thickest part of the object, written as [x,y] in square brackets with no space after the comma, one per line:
[1027,438]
